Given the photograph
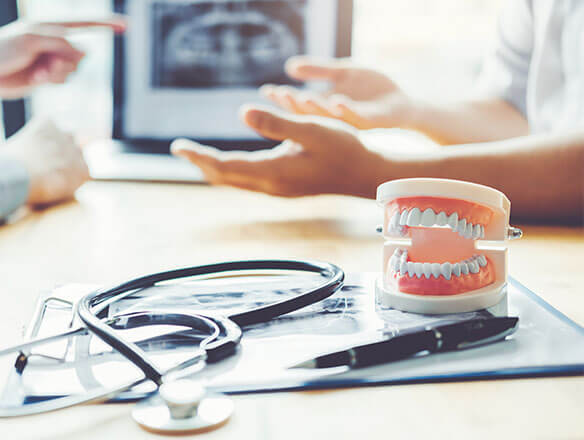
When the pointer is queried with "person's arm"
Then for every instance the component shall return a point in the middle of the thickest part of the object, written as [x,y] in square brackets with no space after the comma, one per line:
[483,120]
[366,98]
[542,175]
[14,184]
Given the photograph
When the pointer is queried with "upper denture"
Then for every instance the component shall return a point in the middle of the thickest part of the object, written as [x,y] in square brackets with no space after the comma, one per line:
[441,211]
[466,218]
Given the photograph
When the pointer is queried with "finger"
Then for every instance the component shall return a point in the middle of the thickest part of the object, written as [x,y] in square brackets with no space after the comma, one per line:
[307,69]
[346,112]
[344,108]
[59,70]
[195,152]
[287,97]
[275,125]
[313,104]
[225,159]
[268,91]
[41,44]
[206,158]
[254,171]
[116,22]
[18,84]
[281,96]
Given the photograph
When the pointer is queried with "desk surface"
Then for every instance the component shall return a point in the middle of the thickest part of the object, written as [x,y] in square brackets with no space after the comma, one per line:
[120,230]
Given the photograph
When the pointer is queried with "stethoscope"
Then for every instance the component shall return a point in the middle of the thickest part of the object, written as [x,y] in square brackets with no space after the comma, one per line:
[180,404]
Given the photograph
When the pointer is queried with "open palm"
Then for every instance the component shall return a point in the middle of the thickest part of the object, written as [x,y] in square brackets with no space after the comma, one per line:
[361,97]
[316,156]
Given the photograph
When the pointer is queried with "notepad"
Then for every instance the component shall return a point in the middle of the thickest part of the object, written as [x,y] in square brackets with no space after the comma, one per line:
[544,344]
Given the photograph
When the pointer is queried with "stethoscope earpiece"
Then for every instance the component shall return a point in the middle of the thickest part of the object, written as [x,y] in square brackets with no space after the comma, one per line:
[182,407]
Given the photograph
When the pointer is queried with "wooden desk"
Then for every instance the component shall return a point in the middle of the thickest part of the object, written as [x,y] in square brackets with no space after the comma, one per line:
[116,231]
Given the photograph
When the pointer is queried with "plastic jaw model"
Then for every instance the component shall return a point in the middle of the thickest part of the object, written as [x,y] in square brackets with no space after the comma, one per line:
[444,249]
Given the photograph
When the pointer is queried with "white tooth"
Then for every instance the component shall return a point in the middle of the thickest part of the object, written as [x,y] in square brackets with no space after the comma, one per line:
[428,217]
[482,260]
[427,270]
[441,218]
[456,269]
[436,269]
[414,217]
[395,259]
[394,222]
[473,267]
[396,264]
[468,230]
[446,270]
[403,257]
[419,268]
[476,231]
[403,268]
[392,262]
[453,221]
[464,268]
[482,231]
[403,217]
[411,271]
[461,227]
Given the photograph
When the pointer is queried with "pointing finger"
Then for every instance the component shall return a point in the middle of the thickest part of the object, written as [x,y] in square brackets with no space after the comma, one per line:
[116,22]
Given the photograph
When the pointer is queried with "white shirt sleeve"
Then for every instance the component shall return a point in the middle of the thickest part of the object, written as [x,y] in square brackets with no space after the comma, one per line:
[506,67]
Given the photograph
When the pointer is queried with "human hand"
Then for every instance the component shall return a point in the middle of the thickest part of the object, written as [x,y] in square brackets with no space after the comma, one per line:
[317,155]
[361,97]
[53,160]
[32,54]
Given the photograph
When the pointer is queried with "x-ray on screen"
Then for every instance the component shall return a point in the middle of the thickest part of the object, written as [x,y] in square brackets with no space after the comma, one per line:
[189,65]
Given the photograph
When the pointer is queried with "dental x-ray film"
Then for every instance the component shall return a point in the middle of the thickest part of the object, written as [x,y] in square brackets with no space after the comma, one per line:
[225,44]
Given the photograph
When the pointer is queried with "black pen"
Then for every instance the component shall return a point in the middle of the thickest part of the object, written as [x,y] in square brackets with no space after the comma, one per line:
[457,336]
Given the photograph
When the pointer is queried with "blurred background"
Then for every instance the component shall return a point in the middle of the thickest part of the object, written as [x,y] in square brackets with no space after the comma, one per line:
[433,48]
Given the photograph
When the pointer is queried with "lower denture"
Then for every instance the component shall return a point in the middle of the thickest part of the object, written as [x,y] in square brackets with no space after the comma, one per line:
[440,285]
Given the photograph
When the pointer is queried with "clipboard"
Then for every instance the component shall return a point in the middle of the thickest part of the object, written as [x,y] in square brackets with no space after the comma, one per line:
[542,346]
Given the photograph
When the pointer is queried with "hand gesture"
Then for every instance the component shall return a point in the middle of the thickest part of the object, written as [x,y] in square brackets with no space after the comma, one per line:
[32,54]
[317,155]
[361,97]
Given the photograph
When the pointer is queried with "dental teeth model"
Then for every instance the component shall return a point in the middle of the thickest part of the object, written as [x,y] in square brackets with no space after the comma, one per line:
[433,260]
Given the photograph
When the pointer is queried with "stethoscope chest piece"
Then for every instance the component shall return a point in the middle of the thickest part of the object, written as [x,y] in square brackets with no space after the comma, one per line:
[182,407]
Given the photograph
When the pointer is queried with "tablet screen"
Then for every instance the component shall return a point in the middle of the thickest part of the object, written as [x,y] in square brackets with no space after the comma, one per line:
[189,65]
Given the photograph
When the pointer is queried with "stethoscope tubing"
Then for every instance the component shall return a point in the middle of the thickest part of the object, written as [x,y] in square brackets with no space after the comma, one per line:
[90,309]
[334,280]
